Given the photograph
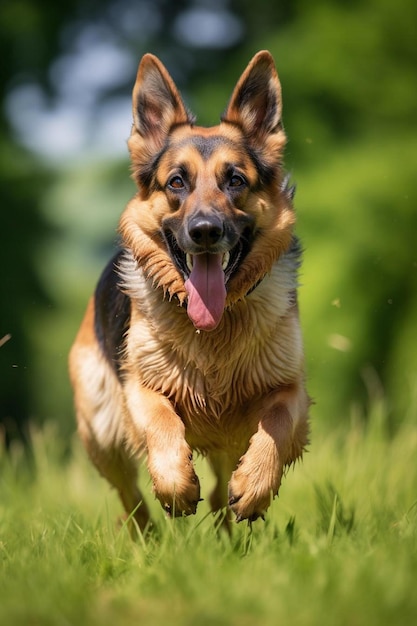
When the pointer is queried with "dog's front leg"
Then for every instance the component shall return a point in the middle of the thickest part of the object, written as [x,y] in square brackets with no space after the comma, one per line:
[155,425]
[280,438]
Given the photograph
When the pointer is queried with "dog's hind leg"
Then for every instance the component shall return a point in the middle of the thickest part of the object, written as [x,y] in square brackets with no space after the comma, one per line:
[120,469]
[100,415]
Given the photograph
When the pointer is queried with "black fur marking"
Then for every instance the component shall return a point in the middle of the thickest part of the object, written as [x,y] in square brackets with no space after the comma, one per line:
[287,188]
[145,174]
[266,173]
[295,251]
[207,145]
[112,314]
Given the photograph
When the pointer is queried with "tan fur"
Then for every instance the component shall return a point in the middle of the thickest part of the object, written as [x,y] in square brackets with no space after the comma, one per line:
[235,393]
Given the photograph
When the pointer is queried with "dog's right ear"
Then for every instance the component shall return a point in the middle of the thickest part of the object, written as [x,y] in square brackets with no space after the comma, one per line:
[157,107]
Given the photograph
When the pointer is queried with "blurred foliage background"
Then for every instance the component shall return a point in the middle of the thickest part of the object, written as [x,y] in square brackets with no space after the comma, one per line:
[348,71]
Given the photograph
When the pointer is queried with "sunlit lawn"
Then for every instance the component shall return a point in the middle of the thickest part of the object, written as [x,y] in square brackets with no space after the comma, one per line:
[338,546]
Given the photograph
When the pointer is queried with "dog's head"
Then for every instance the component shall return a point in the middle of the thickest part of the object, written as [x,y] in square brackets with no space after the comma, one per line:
[213,212]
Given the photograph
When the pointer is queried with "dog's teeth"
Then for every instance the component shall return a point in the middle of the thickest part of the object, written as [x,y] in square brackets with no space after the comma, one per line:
[226,258]
[189,261]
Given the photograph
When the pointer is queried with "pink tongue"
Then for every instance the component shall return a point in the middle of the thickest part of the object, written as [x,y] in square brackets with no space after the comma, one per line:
[206,291]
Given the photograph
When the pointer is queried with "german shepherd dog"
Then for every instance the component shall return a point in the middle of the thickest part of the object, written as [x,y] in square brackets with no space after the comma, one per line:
[192,341]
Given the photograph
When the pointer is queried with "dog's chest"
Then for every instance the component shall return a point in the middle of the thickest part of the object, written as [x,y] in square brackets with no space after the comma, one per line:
[256,348]
[216,373]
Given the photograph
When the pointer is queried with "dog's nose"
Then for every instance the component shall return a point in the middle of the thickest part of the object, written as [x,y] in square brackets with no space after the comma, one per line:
[205,230]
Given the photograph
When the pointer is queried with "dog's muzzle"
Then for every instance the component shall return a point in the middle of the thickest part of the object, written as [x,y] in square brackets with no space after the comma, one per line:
[207,250]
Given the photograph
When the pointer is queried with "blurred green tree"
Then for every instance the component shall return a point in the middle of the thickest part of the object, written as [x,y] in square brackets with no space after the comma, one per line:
[28,40]
[351,102]
[350,95]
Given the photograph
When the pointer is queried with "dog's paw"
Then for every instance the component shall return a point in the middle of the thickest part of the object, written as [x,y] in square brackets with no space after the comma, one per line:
[252,488]
[175,482]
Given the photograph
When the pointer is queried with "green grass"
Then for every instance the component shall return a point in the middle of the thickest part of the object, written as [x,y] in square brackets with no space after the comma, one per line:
[337,548]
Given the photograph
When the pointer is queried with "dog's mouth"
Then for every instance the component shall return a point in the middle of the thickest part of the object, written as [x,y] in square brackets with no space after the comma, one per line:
[230,260]
[205,278]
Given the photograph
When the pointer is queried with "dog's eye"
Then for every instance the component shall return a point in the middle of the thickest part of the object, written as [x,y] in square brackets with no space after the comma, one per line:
[176,182]
[237,181]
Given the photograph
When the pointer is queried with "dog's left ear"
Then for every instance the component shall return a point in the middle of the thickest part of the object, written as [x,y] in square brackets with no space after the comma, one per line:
[256,104]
